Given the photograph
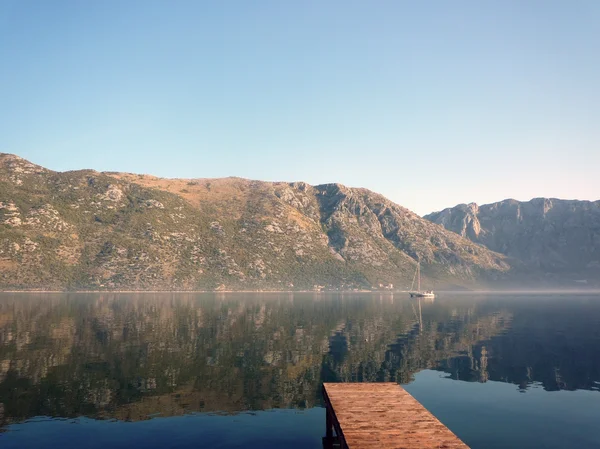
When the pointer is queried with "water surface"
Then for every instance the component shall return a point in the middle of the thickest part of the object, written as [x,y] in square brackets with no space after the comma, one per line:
[245,370]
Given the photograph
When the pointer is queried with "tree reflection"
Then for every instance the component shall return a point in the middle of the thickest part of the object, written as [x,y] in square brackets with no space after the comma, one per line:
[132,356]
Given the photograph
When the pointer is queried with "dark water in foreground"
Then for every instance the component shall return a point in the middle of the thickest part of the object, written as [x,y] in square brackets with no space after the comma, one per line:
[245,370]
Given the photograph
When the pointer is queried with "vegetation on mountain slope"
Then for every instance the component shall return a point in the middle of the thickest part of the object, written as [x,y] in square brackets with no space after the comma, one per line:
[90,230]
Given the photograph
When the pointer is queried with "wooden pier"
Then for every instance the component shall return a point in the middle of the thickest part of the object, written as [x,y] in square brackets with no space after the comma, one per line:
[383,416]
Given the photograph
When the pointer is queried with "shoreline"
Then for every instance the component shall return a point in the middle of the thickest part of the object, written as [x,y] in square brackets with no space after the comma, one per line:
[202,291]
[437,292]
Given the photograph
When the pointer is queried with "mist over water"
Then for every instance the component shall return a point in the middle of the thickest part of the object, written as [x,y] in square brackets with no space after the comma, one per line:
[245,370]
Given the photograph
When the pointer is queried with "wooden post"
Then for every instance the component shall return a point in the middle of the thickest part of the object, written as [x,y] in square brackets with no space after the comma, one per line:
[329,441]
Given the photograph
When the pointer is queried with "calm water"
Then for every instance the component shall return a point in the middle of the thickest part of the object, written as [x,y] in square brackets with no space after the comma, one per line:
[240,370]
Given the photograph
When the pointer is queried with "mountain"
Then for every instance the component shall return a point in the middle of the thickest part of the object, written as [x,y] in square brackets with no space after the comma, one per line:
[90,230]
[558,238]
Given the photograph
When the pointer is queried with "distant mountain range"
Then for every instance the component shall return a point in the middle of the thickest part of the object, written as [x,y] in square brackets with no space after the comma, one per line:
[90,230]
[559,239]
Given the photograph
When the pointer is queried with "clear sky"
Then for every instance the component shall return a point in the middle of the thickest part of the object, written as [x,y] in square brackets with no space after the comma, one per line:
[431,103]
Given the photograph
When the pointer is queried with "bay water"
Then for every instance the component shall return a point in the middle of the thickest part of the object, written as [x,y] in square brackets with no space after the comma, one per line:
[233,370]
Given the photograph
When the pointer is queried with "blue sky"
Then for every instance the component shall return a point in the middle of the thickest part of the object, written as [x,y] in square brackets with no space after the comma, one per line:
[431,103]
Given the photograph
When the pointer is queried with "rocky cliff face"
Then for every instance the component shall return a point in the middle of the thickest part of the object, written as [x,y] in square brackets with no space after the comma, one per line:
[559,238]
[90,230]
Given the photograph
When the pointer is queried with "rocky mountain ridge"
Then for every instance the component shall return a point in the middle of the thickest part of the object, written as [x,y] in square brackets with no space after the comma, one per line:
[89,230]
[558,238]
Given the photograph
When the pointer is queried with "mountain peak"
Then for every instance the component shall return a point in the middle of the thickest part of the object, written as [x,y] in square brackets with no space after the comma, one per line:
[559,238]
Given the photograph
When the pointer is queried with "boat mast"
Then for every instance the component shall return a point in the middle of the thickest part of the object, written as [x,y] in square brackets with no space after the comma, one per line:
[419,275]
[412,286]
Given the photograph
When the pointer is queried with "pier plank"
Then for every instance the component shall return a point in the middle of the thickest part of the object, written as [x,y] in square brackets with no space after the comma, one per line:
[384,416]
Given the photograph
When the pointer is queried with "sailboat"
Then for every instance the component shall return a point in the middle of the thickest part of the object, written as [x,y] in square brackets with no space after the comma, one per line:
[418,293]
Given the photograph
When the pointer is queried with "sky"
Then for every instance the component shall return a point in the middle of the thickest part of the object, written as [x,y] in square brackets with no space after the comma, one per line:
[431,103]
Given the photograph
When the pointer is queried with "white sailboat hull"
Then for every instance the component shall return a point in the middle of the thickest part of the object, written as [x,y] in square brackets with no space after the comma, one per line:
[421,294]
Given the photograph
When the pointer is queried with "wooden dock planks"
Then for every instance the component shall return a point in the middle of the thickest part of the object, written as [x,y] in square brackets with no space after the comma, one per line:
[383,416]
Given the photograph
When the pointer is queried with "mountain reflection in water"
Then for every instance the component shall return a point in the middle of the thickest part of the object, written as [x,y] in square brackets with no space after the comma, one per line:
[132,356]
